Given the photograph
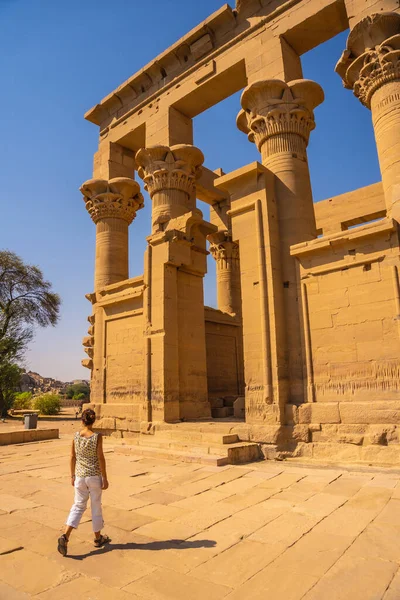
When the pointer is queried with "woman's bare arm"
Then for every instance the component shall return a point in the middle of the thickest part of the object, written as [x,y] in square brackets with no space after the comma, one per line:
[102,462]
[72,463]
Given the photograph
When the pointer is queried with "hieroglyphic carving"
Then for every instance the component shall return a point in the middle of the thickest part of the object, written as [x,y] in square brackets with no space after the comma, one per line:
[119,198]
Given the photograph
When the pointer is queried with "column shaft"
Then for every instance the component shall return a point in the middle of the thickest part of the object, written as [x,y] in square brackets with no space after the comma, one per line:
[111,252]
[112,206]
[278,117]
[370,66]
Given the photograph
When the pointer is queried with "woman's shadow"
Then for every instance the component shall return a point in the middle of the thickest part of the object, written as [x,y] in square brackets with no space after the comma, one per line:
[156,545]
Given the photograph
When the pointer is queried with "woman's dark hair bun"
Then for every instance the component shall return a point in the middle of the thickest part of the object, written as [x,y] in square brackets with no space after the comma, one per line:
[88,416]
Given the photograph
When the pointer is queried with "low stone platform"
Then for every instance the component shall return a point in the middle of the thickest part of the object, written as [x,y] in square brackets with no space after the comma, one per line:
[266,530]
[210,443]
[27,435]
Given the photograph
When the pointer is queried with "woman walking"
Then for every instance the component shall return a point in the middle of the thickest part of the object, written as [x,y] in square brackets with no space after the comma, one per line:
[89,478]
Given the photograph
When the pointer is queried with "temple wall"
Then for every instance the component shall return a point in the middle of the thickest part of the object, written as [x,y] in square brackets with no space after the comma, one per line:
[224,354]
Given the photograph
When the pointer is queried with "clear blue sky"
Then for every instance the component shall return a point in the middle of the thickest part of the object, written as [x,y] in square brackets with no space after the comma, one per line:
[60,58]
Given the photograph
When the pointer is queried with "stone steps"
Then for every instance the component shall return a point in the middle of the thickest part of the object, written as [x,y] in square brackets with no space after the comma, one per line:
[169,454]
[206,448]
[199,436]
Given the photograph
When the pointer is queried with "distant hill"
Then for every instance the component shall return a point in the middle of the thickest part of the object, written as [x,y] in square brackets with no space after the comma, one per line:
[37,384]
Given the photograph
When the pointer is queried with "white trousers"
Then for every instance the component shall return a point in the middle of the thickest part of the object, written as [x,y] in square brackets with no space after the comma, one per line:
[85,487]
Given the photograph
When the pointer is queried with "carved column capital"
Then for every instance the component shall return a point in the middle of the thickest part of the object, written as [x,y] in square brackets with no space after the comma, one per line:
[118,198]
[175,168]
[372,55]
[279,115]
[223,249]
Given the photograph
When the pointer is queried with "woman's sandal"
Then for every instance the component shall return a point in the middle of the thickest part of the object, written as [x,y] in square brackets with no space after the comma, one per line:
[62,544]
[103,539]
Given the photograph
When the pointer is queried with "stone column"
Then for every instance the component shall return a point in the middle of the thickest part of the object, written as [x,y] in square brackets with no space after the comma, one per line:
[370,66]
[169,174]
[112,206]
[226,255]
[176,379]
[278,118]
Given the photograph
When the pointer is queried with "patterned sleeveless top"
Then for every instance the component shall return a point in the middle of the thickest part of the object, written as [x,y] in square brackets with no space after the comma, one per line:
[87,462]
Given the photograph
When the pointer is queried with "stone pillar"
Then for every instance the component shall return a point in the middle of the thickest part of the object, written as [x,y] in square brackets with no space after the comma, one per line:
[226,255]
[112,206]
[370,66]
[176,377]
[278,118]
[169,175]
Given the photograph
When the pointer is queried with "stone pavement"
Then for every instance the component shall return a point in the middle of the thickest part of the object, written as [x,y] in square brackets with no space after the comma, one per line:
[269,531]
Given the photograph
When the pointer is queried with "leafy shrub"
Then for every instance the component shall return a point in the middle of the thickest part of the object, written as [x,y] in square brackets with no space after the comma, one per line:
[48,404]
[77,388]
[22,401]
[79,396]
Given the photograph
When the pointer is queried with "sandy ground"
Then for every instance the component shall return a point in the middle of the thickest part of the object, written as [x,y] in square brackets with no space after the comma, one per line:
[265,531]
[65,422]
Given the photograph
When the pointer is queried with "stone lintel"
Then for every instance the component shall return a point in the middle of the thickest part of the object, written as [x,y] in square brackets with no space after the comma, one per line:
[206,191]
[153,72]
[230,181]
[371,229]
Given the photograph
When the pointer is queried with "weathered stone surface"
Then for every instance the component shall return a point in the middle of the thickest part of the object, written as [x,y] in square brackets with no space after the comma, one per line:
[307,327]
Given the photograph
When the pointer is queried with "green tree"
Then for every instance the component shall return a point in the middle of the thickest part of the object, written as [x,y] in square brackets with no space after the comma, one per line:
[26,301]
[10,374]
[77,388]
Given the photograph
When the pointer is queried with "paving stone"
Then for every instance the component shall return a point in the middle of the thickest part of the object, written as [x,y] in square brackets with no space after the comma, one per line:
[286,529]
[112,567]
[315,553]
[272,583]
[226,533]
[265,512]
[348,519]
[165,530]
[10,504]
[248,557]
[281,481]
[163,584]
[154,497]
[250,498]
[321,505]
[9,593]
[181,557]
[84,588]
[205,518]
[203,500]
[393,591]
[370,498]
[353,578]
[166,512]
[7,546]
[378,540]
[29,572]
[124,519]
[346,486]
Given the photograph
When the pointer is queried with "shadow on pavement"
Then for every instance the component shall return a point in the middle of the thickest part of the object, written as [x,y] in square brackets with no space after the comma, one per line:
[156,545]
